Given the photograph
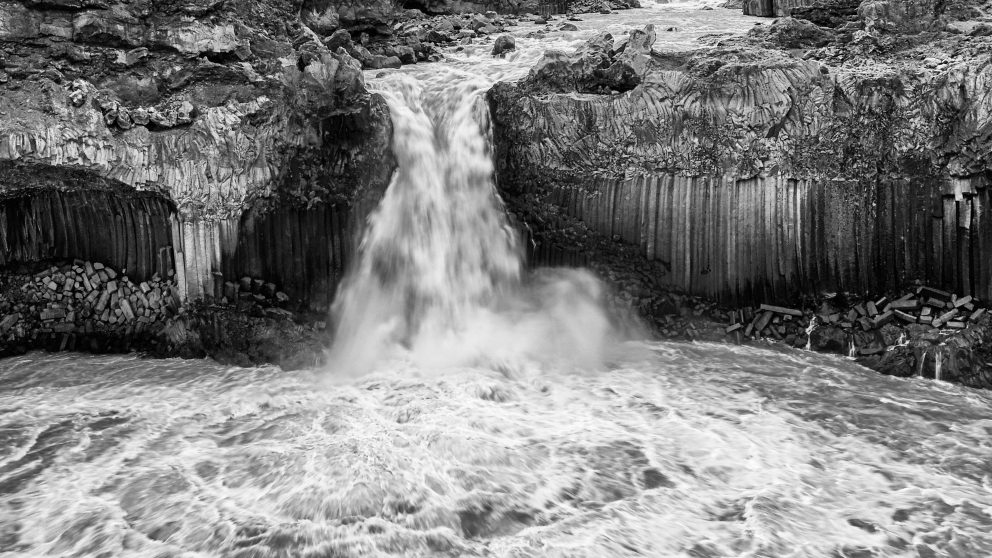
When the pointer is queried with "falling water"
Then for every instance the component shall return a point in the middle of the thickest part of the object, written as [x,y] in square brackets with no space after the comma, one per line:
[938,361]
[809,333]
[439,275]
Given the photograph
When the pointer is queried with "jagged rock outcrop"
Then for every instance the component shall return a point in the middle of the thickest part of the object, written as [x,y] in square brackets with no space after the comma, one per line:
[379,16]
[544,7]
[797,8]
[215,107]
[828,13]
[598,66]
[601,6]
[749,172]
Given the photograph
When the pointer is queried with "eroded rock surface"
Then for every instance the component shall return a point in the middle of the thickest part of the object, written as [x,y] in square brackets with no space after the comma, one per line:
[850,152]
[216,106]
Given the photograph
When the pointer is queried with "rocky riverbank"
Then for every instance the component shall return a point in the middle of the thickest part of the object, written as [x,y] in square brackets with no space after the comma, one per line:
[91,307]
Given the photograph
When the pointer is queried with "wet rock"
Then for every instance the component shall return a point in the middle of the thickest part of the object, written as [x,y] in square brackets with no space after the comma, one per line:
[340,39]
[596,66]
[379,62]
[829,339]
[653,478]
[504,44]
[828,13]
[601,6]
[788,32]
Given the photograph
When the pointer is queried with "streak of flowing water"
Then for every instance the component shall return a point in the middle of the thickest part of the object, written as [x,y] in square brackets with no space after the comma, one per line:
[473,435]
[809,333]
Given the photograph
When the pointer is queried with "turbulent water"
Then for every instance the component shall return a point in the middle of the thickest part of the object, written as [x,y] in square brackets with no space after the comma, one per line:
[678,450]
[472,409]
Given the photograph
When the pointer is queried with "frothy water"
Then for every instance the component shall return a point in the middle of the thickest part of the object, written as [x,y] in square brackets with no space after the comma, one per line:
[685,450]
[439,279]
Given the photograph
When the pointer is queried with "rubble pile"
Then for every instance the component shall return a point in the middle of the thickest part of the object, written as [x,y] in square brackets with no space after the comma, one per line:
[59,305]
[940,310]
[86,297]
[926,332]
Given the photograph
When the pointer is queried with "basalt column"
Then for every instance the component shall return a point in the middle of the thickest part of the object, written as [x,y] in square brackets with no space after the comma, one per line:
[65,215]
[750,175]
[775,238]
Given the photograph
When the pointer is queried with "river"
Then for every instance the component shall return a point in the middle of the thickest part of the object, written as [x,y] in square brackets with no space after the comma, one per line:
[472,408]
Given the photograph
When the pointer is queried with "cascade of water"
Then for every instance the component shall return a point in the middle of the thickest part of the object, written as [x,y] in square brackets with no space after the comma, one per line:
[937,363]
[809,333]
[439,268]
[852,350]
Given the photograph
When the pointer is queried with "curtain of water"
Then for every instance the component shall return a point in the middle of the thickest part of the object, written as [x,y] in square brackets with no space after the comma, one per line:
[439,270]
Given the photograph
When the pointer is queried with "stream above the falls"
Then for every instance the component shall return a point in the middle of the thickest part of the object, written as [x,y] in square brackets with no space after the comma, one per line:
[473,409]
[680,26]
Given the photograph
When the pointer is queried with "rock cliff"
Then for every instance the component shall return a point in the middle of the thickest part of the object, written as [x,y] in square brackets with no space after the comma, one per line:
[209,140]
[845,154]
[216,107]
[805,162]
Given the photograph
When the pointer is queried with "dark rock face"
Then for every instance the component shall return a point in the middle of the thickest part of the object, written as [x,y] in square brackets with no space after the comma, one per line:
[790,33]
[828,13]
[601,6]
[543,7]
[829,339]
[504,44]
[599,66]
[780,8]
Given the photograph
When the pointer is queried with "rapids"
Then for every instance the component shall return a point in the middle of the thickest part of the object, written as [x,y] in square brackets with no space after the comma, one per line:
[472,409]
[680,450]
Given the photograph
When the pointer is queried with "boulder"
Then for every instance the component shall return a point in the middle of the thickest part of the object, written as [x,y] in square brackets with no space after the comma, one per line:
[829,339]
[789,32]
[504,44]
[596,66]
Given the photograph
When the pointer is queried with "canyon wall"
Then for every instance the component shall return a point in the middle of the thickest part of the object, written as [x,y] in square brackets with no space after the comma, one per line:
[209,116]
[752,171]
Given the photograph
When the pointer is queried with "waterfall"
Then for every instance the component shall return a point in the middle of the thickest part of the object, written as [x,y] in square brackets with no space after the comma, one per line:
[809,333]
[439,273]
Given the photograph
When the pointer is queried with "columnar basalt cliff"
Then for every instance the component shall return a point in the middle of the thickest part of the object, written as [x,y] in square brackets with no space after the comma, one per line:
[157,137]
[748,171]
[185,100]
[797,160]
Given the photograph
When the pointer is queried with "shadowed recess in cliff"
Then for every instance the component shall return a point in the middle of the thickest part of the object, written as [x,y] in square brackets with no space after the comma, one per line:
[303,251]
[126,230]
[774,238]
